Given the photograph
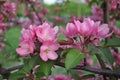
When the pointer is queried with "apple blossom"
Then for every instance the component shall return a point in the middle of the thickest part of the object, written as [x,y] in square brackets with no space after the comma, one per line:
[85,28]
[97,13]
[9,9]
[26,48]
[47,50]
[71,30]
[60,77]
[45,32]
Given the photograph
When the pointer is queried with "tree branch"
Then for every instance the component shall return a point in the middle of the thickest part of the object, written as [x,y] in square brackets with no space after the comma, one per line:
[94,70]
[104,72]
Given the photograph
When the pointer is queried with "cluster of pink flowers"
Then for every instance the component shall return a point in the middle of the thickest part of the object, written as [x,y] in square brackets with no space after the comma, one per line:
[97,13]
[35,12]
[86,32]
[9,9]
[43,34]
[114,4]
[3,26]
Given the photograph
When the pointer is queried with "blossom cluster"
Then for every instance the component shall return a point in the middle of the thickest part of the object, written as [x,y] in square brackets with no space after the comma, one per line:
[9,9]
[86,32]
[43,36]
[97,13]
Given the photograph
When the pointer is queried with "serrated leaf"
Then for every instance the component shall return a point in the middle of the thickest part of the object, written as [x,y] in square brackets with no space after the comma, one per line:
[45,67]
[73,58]
[114,42]
[107,56]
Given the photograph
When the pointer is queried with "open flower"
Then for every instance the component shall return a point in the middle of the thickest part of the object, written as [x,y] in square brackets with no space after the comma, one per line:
[86,28]
[46,33]
[26,48]
[47,50]
[27,35]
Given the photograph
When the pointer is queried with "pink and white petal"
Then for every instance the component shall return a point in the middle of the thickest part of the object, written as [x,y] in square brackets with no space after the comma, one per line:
[52,55]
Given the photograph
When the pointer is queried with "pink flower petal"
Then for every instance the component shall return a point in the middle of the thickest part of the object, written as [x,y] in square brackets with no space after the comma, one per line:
[52,55]
[22,52]
[43,56]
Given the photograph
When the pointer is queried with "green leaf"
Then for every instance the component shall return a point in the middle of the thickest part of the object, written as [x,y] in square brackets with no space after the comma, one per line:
[45,67]
[107,56]
[92,48]
[17,75]
[118,24]
[12,40]
[73,58]
[39,74]
[30,63]
[114,42]
[56,70]
[64,52]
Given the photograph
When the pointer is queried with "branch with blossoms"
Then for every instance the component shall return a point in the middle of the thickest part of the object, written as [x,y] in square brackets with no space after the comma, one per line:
[42,50]
[42,40]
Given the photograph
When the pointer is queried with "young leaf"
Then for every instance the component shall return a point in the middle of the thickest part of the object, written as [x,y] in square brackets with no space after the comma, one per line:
[73,58]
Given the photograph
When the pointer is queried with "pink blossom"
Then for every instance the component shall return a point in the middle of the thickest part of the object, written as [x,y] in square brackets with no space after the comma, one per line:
[86,28]
[3,27]
[58,19]
[45,33]
[27,42]
[71,30]
[9,9]
[1,17]
[26,48]
[103,31]
[44,10]
[60,77]
[27,34]
[47,50]
[97,13]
